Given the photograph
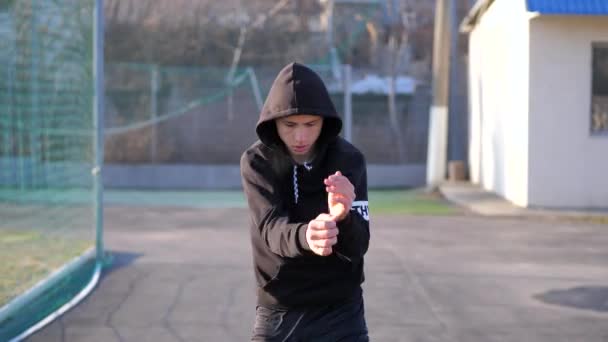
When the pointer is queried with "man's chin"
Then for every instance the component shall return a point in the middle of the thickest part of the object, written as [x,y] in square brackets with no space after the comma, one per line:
[300,153]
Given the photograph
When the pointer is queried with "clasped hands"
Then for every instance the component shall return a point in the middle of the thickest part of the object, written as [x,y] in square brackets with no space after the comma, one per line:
[322,232]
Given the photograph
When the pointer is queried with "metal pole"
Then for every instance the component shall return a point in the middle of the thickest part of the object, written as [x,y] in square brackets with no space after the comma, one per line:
[12,133]
[348,101]
[98,115]
[438,123]
[33,113]
[20,139]
[457,115]
[21,125]
[330,24]
[334,63]
[154,85]
[230,104]
[256,88]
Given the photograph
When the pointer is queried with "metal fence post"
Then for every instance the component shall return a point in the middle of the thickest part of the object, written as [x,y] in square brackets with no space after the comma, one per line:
[98,125]
[348,101]
[154,86]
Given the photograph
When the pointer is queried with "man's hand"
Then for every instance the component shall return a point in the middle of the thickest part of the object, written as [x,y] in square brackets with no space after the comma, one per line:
[340,197]
[322,234]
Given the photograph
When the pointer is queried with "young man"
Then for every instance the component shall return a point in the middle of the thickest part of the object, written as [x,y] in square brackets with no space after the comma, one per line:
[307,193]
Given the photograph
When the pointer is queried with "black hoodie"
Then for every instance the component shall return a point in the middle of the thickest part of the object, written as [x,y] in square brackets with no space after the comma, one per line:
[284,197]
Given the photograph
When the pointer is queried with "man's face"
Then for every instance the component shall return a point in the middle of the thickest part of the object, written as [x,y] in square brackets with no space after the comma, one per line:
[299,133]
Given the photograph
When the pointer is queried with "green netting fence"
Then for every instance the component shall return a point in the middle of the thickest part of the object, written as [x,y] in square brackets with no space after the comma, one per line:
[195,115]
[160,114]
[175,114]
[50,224]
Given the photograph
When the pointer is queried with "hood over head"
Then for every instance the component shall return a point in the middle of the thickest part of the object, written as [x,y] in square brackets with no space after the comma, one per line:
[297,90]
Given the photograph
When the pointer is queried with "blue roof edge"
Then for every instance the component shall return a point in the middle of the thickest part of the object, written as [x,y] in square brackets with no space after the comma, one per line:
[568,7]
[543,7]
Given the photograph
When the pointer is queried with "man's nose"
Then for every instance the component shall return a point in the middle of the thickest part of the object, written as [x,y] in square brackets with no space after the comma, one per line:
[300,135]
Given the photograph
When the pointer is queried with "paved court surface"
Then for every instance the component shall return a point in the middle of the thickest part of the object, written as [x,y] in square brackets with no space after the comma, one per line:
[185,275]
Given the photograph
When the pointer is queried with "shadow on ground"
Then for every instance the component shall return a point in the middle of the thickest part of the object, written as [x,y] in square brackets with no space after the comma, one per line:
[118,260]
[594,298]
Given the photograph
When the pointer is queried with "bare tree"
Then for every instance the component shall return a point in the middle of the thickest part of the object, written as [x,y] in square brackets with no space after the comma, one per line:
[259,22]
[397,38]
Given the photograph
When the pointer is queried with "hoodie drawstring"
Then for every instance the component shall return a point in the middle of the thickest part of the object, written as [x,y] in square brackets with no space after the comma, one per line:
[295,183]
[296,194]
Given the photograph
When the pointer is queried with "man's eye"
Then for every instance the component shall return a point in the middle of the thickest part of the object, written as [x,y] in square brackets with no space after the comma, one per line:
[289,124]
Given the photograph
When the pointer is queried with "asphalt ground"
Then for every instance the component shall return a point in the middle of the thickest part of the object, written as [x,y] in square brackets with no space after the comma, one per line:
[185,274]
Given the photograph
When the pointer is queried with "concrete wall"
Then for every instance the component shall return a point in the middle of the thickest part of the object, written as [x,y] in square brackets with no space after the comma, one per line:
[568,166]
[26,173]
[498,79]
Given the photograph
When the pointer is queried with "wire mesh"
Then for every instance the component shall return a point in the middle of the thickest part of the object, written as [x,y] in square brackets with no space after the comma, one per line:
[46,156]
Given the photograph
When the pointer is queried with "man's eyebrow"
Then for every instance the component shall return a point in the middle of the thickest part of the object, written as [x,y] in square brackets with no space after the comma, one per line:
[286,120]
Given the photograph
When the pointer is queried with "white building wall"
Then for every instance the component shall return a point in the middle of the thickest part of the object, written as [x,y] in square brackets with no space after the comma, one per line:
[475,67]
[499,59]
[568,166]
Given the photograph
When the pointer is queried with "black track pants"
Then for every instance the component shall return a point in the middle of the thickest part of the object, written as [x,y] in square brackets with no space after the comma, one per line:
[343,322]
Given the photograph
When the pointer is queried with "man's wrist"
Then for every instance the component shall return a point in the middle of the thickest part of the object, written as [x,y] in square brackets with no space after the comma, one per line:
[302,237]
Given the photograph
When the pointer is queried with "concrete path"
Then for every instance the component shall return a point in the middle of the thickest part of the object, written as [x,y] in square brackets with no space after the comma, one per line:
[185,275]
[482,202]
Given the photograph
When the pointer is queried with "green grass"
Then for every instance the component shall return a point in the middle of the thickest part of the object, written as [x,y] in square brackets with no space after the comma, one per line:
[408,202]
[598,219]
[586,219]
[26,257]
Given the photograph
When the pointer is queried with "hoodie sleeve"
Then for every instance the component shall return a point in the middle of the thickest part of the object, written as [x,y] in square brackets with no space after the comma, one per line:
[353,240]
[268,214]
